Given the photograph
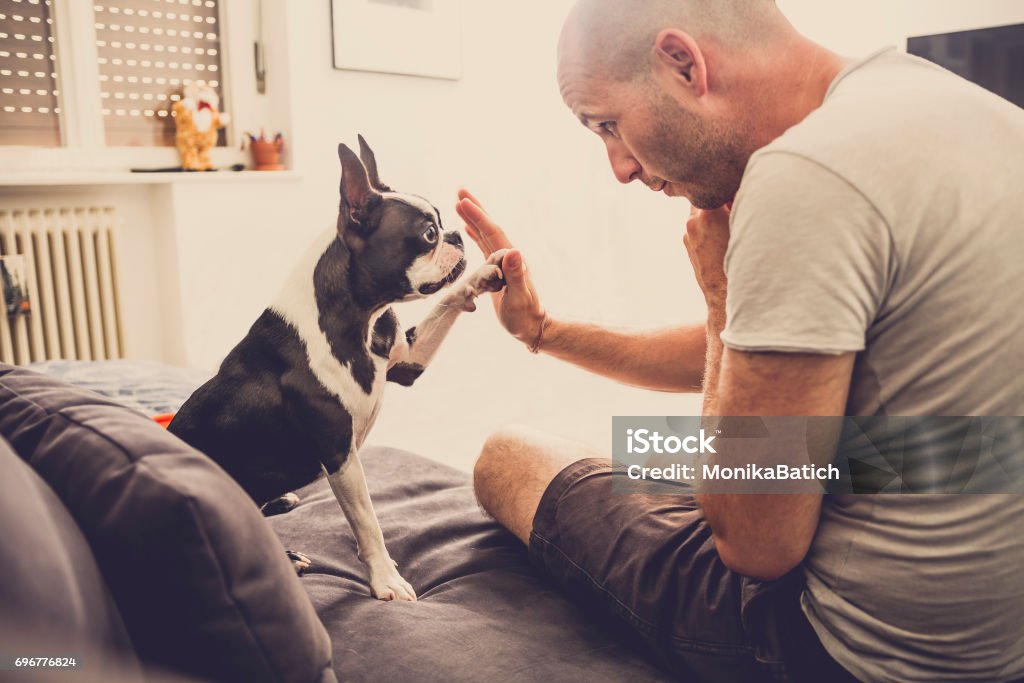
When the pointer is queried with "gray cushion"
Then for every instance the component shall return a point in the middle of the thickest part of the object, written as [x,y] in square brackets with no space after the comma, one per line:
[199,578]
[53,594]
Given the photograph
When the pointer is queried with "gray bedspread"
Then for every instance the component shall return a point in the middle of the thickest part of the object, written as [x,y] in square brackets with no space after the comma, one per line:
[484,613]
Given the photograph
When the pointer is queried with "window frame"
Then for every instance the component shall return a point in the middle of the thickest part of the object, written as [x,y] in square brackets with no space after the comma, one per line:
[83,138]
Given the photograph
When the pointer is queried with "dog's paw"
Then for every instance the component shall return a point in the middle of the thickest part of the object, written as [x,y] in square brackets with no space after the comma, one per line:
[486,278]
[299,561]
[387,584]
[279,506]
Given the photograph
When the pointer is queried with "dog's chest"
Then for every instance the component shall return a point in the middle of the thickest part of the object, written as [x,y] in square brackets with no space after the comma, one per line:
[352,372]
[356,382]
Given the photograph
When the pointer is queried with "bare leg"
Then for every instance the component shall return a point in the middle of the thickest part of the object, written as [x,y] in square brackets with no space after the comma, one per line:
[349,486]
[514,469]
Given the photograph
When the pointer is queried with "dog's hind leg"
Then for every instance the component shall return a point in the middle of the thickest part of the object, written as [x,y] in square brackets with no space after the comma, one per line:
[349,486]
[281,505]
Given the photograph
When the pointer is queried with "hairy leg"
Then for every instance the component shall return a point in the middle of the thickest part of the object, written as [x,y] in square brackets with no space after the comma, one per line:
[514,469]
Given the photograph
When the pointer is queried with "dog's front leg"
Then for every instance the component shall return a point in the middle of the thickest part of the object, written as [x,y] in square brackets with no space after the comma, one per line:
[411,357]
[349,486]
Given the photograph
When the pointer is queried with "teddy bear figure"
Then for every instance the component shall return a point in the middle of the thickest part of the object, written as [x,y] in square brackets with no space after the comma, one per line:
[197,120]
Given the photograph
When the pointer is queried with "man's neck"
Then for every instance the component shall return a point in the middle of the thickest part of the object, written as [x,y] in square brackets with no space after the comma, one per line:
[795,77]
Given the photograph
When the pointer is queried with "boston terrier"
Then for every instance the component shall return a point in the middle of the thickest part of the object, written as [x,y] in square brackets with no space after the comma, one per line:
[298,395]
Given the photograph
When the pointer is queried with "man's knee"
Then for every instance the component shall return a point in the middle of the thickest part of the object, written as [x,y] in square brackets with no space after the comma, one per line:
[515,467]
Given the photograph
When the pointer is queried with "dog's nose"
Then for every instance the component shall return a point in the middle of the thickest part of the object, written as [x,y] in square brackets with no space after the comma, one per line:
[454,238]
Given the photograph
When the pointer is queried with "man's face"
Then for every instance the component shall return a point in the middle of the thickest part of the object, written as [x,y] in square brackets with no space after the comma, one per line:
[651,137]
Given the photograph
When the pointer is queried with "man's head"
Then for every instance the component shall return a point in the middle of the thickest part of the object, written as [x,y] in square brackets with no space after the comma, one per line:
[667,84]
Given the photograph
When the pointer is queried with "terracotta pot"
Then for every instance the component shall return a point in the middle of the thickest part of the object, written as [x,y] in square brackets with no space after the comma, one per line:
[266,154]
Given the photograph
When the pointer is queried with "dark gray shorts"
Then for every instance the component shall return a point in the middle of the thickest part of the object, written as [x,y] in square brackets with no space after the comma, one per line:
[650,562]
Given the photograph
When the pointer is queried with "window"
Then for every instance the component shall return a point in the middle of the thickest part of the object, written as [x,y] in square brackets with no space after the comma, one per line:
[94,81]
[147,50]
[28,75]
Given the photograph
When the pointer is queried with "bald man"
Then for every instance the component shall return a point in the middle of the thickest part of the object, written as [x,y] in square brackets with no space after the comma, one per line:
[869,216]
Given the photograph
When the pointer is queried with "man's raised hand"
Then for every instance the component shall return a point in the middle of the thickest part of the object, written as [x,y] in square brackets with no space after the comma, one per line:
[518,306]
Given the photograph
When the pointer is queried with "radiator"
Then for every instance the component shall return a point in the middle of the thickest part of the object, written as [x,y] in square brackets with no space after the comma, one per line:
[63,261]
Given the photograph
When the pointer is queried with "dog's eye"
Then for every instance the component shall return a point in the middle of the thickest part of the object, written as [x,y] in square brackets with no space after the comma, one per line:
[430,236]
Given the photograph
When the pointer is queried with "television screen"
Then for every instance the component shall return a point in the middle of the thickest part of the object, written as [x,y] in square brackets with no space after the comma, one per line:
[991,57]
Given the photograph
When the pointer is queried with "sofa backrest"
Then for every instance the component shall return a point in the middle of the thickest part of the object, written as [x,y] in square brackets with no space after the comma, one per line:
[200,580]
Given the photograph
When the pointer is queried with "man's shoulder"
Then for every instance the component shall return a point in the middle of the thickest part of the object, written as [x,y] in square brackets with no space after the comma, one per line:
[877,104]
[893,117]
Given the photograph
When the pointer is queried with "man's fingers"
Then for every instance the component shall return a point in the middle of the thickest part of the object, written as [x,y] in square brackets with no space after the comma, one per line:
[497,257]
[474,233]
[466,194]
[490,232]
[475,236]
[514,268]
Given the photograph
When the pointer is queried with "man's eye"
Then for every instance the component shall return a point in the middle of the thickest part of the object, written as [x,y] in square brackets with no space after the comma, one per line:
[430,236]
[610,127]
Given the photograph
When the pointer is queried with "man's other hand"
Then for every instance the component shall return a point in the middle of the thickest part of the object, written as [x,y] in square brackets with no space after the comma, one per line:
[518,307]
[706,241]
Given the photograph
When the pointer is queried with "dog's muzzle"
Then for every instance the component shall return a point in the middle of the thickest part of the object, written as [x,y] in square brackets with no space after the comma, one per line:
[454,239]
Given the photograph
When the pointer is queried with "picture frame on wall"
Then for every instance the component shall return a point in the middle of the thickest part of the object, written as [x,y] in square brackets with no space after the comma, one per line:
[411,37]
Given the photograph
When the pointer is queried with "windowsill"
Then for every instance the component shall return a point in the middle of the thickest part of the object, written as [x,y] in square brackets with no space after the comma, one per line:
[64,178]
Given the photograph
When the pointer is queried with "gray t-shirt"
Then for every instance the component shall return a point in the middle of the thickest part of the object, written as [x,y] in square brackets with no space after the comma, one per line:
[890,223]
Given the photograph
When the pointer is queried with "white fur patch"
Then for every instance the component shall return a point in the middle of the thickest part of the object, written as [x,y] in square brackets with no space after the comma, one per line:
[297,305]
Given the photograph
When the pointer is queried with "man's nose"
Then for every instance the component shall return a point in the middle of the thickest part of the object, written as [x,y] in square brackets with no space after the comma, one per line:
[624,166]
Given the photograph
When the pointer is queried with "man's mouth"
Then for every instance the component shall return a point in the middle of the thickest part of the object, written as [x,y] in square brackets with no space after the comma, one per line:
[453,275]
[657,185]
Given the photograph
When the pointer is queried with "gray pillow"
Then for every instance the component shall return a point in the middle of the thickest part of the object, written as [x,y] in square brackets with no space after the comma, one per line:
[201,581]
[53,598]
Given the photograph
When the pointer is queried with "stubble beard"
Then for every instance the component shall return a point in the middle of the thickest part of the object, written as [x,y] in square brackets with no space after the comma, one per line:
[696,153]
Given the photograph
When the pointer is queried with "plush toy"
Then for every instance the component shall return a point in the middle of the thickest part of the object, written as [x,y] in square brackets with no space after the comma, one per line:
[197,121]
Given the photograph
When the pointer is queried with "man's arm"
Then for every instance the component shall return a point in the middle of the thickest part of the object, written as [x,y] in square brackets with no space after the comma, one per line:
[664,360]
[758,535]
[766,535]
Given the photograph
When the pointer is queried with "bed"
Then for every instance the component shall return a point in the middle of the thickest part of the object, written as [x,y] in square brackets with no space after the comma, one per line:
[484,614]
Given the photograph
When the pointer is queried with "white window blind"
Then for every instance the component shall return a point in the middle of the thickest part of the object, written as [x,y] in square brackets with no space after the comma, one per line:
[29,109]
[148,50]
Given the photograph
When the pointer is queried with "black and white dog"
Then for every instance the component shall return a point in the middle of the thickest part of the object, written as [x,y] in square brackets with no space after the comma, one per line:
[298,395]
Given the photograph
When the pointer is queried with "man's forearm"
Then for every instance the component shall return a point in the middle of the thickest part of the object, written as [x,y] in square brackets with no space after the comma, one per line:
[663,360]
[713,362]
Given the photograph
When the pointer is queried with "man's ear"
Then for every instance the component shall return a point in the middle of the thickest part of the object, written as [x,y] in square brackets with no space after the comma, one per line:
[370,162]
[678,52]
[357,196]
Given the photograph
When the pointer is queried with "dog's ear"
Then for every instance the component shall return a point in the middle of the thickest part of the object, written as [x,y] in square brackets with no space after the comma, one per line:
[358,197]
[370,161]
